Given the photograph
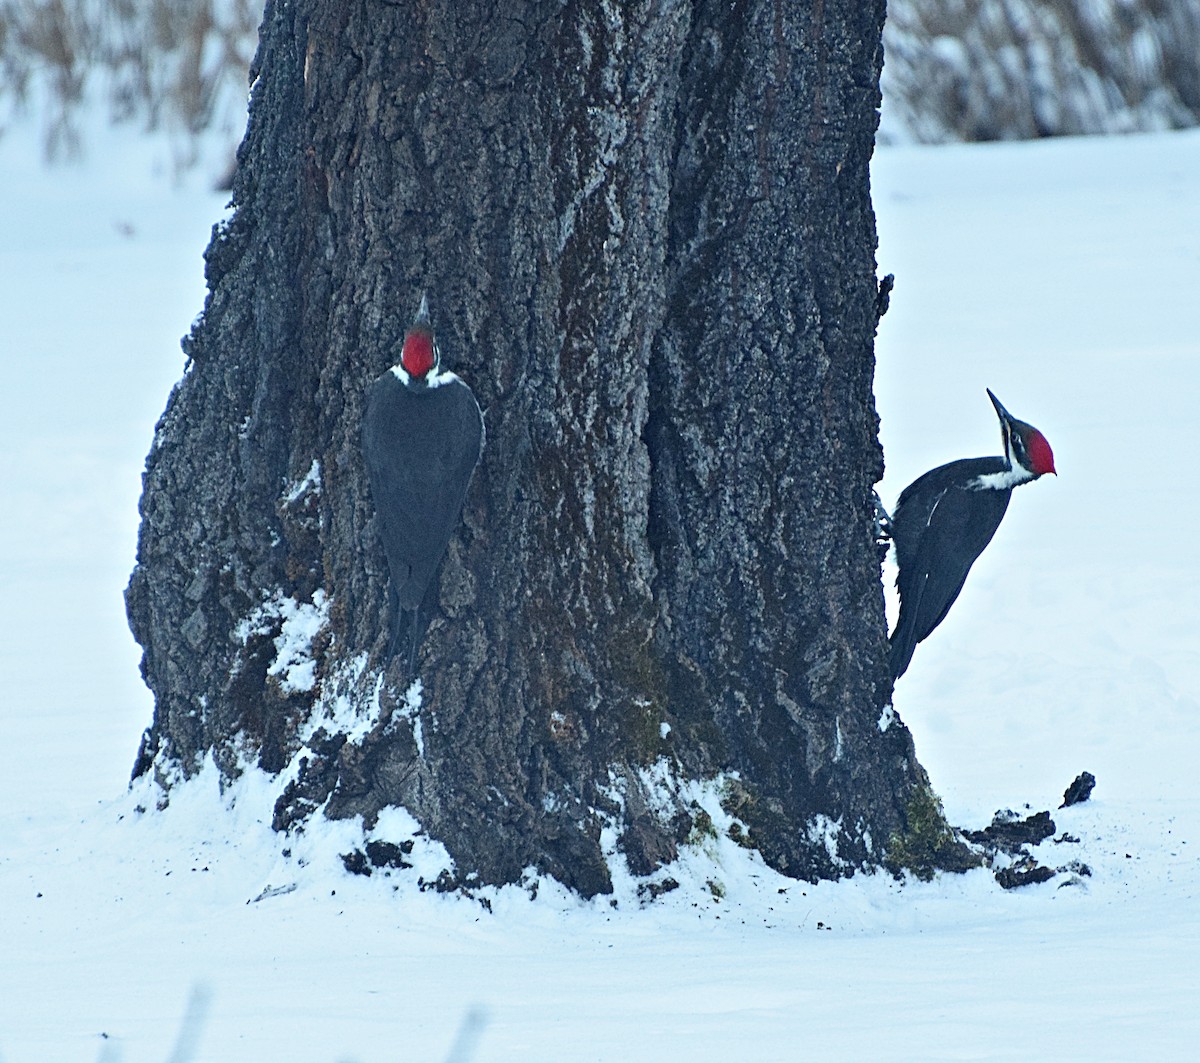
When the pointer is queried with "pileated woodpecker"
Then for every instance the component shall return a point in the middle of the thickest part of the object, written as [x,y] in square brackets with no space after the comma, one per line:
[422,436]
[944,520]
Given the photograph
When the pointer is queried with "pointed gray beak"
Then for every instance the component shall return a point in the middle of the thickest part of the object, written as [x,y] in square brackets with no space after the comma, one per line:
[1001,412]
[423,314]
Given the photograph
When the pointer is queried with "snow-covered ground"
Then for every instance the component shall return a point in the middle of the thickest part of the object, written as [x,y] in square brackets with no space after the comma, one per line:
[1062,275]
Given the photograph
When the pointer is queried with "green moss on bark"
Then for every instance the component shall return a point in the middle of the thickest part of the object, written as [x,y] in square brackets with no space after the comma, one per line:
[928,843]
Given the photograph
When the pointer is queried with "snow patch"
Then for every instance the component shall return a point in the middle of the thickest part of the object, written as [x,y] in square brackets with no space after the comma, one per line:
[310,481]
[825,832]
[410,710]
[710,860]
[338,710]
[299,625]
[294,666]
[429,858]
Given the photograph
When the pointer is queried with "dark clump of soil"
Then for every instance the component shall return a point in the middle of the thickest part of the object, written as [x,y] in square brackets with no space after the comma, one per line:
[1080,790]
[1024,873]
[1008,831]
[1006,839]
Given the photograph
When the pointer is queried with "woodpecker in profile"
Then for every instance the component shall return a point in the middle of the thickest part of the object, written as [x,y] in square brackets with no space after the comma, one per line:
[422,436]
[944,520]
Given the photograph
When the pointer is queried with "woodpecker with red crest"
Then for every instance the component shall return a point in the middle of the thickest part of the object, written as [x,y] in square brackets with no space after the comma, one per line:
[944,520]
[422,436]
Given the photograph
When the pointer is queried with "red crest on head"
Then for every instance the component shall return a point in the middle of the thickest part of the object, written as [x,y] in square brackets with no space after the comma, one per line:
[418,356]
[1041,457]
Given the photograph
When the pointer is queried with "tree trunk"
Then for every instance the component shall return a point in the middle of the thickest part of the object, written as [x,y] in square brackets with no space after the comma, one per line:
[646,233]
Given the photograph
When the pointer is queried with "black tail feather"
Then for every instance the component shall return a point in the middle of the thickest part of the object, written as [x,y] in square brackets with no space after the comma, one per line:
[415,639]
[903,643]
[414,622]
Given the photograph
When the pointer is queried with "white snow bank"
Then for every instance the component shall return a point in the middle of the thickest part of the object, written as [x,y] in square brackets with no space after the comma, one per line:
[1061,275]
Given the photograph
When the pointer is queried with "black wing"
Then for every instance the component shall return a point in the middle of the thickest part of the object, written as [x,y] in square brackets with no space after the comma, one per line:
[940,527]
[421,447]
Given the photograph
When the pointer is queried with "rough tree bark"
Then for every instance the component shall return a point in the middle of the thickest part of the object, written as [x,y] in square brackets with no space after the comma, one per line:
[646,232]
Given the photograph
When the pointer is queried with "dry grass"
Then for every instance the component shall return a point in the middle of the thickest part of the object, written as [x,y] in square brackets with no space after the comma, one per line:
[956,69]
[168,64]
[1014,69]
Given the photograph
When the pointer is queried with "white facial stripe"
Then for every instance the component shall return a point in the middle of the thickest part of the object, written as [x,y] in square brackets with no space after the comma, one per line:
[1001,481]
[438,377]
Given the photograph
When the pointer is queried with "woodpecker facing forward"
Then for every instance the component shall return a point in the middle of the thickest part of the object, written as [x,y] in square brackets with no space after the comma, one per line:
[422,436]
[944,520]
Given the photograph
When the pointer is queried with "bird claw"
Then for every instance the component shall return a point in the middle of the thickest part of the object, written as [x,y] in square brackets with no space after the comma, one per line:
[883,528]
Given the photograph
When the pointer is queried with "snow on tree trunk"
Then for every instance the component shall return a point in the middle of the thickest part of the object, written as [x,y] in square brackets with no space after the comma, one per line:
[647,236]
